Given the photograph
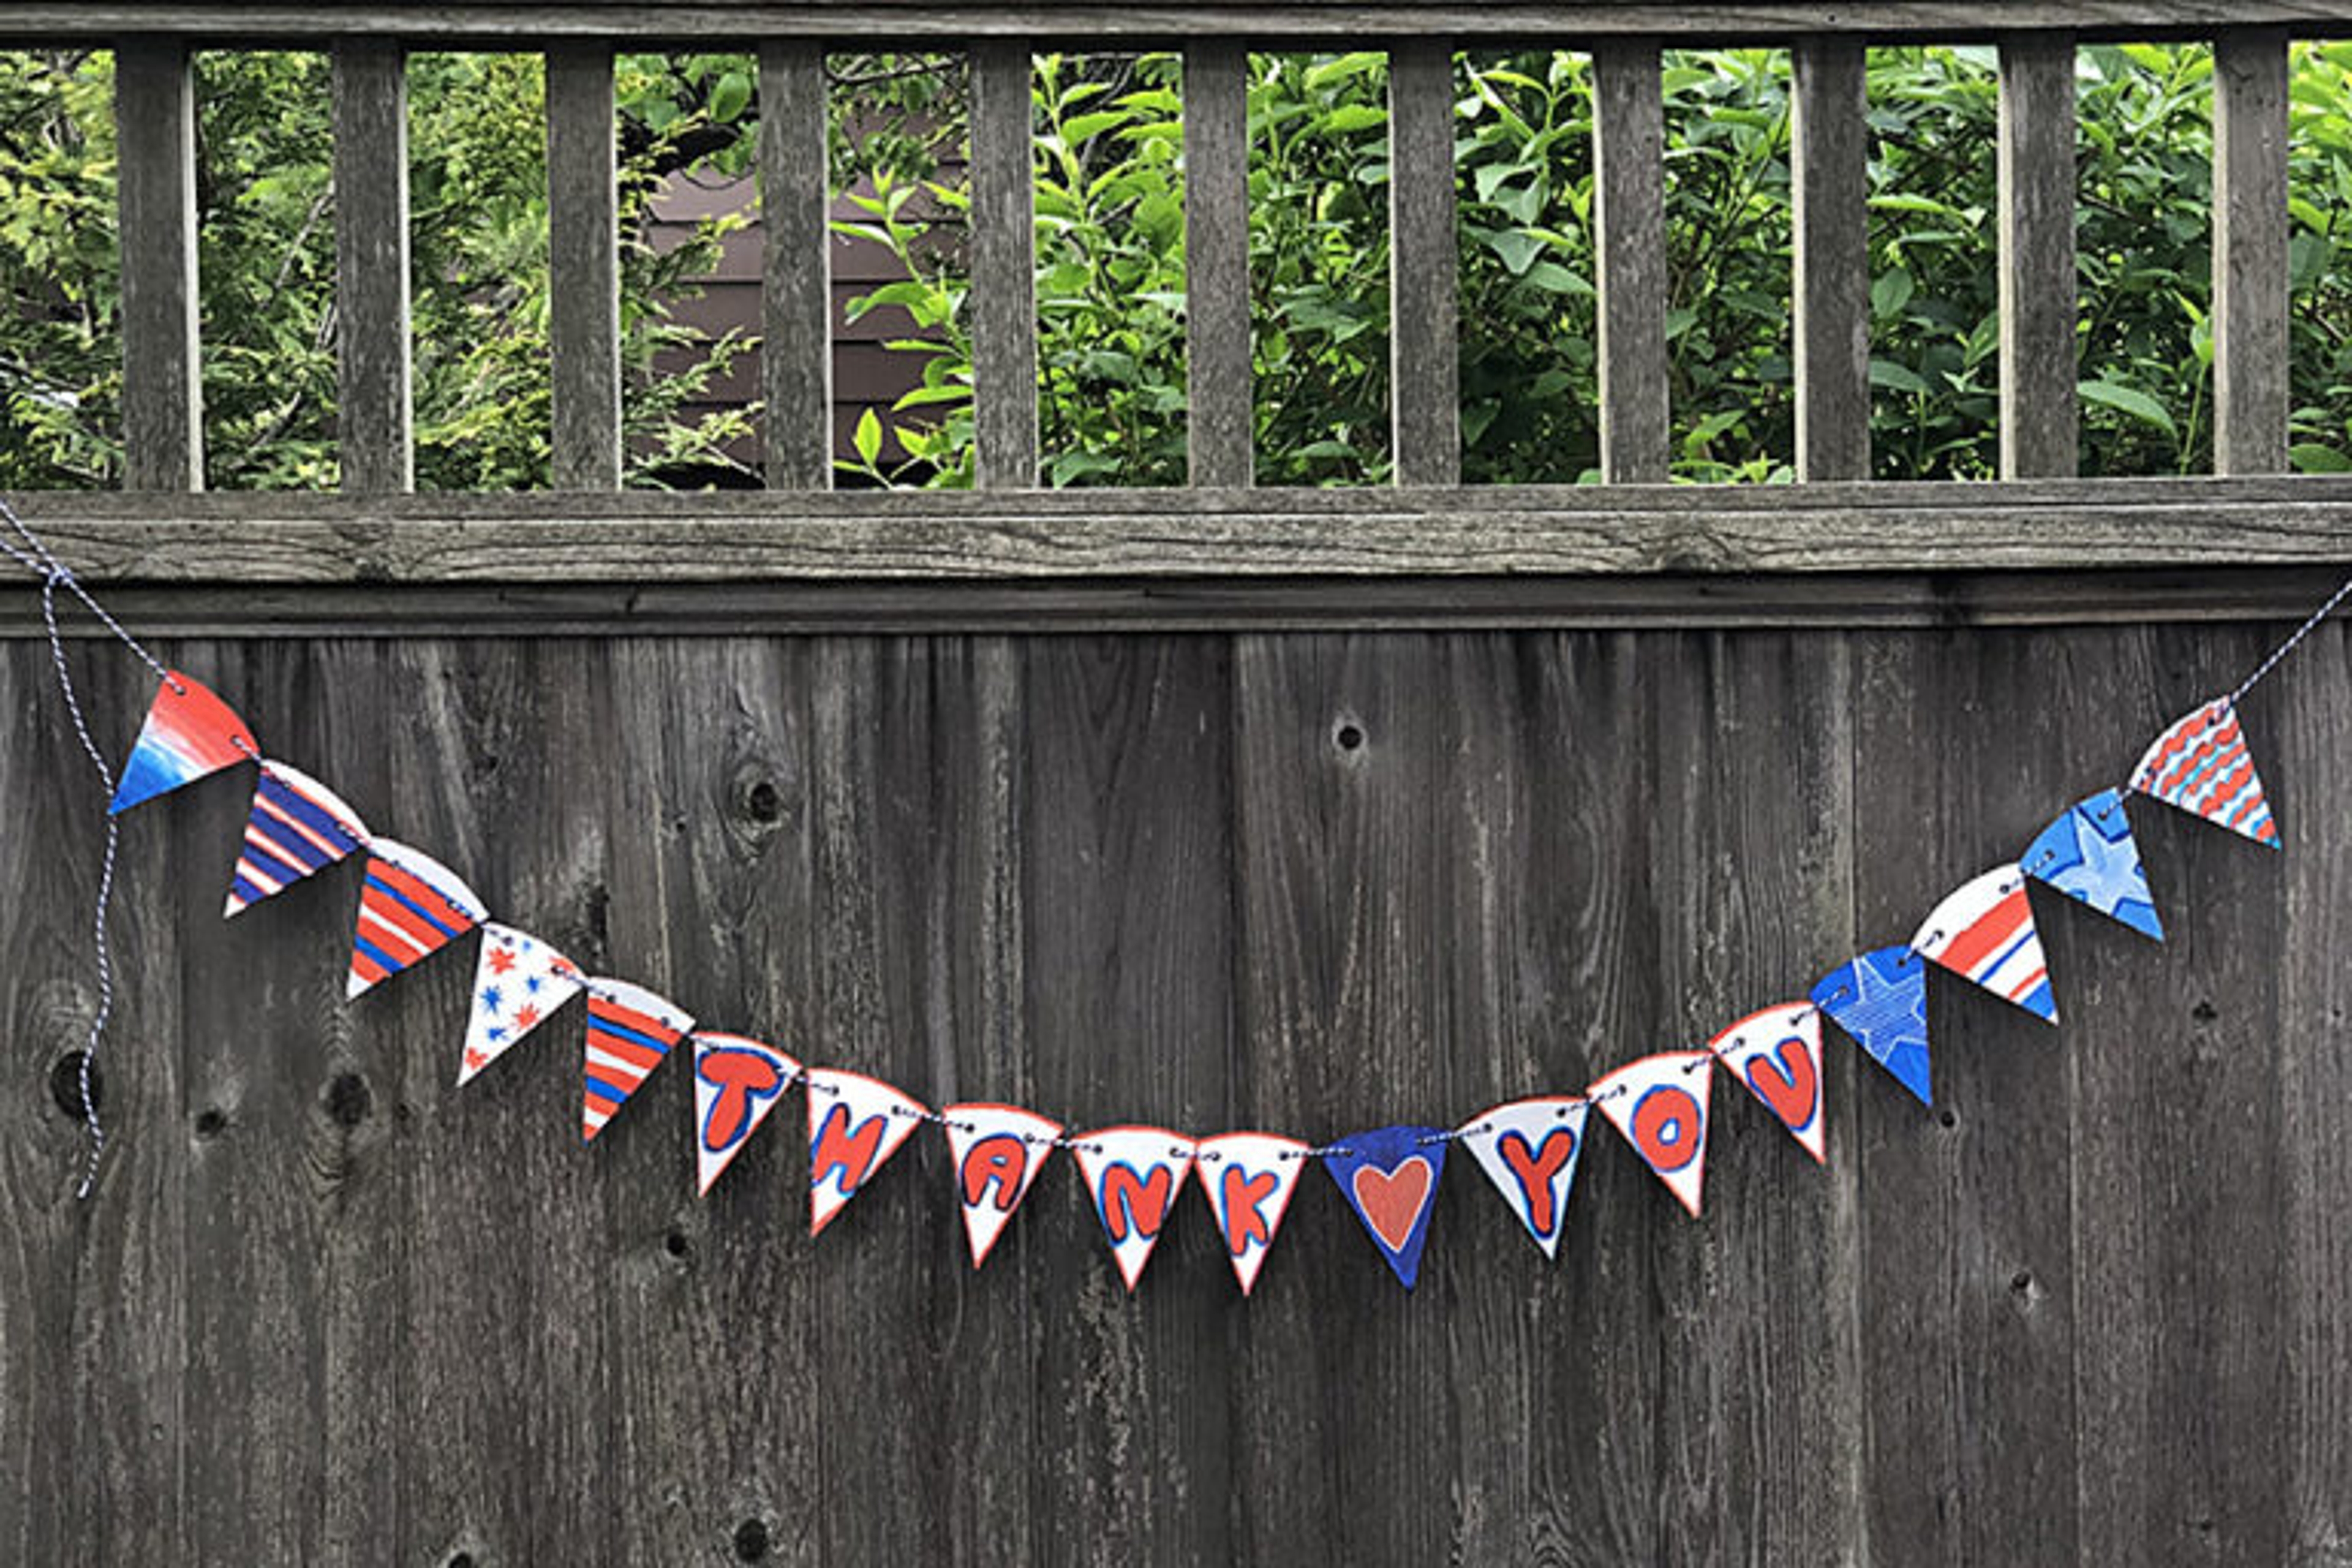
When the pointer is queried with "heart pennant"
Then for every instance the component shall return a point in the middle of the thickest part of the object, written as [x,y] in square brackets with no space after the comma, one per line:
[1983,931]
[998,1151]
[1249,1178]
[1388,1176]
[855,1124]
[737,1082]
[1529,1149]
[1133,1174]
[1659,1103]
[1777,1053]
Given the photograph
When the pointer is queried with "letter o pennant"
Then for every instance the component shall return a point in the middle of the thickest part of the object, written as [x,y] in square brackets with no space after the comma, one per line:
[998,1151]
[1659,1103]
[1250,1179]
[1133,1173]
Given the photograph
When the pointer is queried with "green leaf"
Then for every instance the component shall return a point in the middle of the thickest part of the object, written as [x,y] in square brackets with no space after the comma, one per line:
[2129,400]
[1517,249]
[867,437]
[731,96]
[1896,377]
[1348,117]
[2311,457]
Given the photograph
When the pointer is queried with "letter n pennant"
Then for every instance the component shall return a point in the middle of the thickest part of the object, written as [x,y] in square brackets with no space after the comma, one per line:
[630,1030]
[1249,1178]
[855,1124]
[411,906]
[1777,1053]
[1528,1150]
[2203,766]
[1983,931]
[188,734]
[518,981]
[737,1082]
[297,826]
[998,1151]
[1388,1176]
[1659,1103]
[2090,856]
[1133,1174]
[1881,999]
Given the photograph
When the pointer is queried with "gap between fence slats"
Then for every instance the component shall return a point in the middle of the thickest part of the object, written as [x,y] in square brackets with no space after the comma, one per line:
[163,386]
[583,268]
[372,322]
[1004,269]
[1629,199]
[796,289]
[1831,138]
[2250,252]
[1423,267]
[1220,423]
[2038,416]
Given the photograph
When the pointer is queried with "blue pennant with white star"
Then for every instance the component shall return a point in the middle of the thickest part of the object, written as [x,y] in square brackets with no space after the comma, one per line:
[2090,856]
[1881,999]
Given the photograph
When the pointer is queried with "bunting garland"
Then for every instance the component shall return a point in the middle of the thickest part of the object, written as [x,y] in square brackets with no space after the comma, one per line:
[410,906]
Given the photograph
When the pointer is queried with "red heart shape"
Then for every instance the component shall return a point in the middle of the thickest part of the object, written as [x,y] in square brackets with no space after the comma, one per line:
[1391,1200]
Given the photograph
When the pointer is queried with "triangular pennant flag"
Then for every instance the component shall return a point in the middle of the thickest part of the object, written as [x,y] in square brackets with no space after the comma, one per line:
[998,1151]
[1134,1175]
[1659,1103]
[518,981]
[411,906]
[855,1124]
[630,1030]
[1388,1176]
[1528,1150]
[1983,931]
[1777,1053]
[737,1082]
[1249,1178]
[2089,855]
[1881,999]
[189,733]
[297,826]
[2203,766]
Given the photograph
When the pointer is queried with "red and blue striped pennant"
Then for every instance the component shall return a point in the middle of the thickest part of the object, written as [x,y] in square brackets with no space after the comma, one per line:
[1984,932]
[411,906]
[2203,766]
[630,1030]
[188,734]
[297,828]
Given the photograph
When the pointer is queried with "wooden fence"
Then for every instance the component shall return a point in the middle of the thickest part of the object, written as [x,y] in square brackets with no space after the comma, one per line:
[1217,806]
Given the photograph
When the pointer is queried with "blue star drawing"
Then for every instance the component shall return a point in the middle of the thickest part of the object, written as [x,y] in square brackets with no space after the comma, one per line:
[492,999]
[2089,855]
[1881,999]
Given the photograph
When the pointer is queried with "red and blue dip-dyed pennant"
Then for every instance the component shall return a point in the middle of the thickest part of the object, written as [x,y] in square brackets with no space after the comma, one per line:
[855,1124]
[1133,1174]
[297,828]
[630,1030]
[998,1151]
[1983,931]
[737,1082]
[1388,1176]
[518,979]
[188,733]
[1777,1053]
[2203,766]
[1880,998]
[1529,1149]
[2090,856]
[411,906]
[1249,1178]
[1659,1103]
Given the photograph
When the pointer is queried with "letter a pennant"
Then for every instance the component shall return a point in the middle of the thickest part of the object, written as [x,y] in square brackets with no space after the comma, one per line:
[1249,1178]
[297,826]
[630,1030]
[188,733]
[411,906]
[1388,1176]
[998,1151]
[1659,1103]
[855,1124]
[518,981]
[1133,1174]
[1528,1150]
[1881,999]
[1777,1053]
[1983,931]
[2090,856]
[737,1082]
[2203,766]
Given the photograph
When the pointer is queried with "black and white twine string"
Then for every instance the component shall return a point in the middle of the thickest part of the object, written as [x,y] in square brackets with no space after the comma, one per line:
[27,551]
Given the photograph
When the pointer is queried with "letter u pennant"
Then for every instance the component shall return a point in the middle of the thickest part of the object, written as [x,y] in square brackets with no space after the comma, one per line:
[1249,1178]
[1133,1174]
[998,1152]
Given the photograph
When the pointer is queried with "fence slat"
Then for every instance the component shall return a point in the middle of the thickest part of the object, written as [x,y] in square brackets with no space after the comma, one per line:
[372,332]
[2038,412]
[1629,196]
[1004,269]
[583,268]
[162,386]
[1425,411]
[2250,251]
[796,271]
[1220,424]
[1833,261]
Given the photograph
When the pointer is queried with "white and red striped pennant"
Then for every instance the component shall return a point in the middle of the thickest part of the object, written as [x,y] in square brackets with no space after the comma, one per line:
[411,906]
[630,1030]
[2201,765]
[1983,931]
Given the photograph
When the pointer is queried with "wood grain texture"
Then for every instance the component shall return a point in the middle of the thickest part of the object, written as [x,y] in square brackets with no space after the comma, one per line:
[1004,269]
[372,327]
[583,268]
[1629,216]
[2038,416]
[2250,358]
[796,279]
[1831,146]
[1220,427]
[155,198]
[1424,360]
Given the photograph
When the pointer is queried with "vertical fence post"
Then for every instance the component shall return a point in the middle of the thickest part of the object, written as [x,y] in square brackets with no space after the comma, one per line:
[796,270]
[2250,251]
[162,385]
[583,268]
[1220,422]
[2038,417]
[1424,286]
[1832,259]
[1629,185]
[372,330]
[1003,268]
